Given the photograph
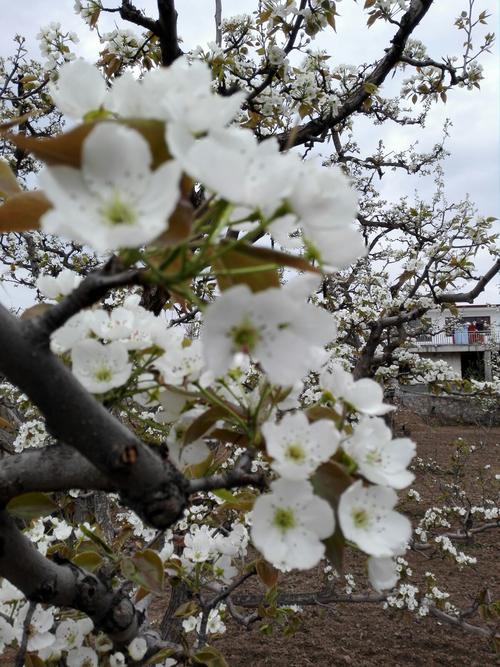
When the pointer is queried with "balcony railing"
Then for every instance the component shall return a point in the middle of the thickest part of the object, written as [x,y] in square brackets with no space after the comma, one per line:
[462,337]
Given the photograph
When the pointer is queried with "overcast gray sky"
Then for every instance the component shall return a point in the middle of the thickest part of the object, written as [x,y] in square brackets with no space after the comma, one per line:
[473,167]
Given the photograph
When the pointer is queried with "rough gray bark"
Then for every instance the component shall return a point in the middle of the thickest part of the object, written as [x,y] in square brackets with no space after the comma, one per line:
[151,486]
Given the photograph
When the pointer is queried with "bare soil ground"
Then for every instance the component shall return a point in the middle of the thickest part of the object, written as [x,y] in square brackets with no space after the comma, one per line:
[365,634]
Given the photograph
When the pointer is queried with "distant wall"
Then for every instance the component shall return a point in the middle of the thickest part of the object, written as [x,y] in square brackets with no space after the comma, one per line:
[453,359]
[446,409]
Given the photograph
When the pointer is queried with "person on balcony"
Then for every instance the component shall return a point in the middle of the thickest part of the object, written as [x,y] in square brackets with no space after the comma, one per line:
[472,329]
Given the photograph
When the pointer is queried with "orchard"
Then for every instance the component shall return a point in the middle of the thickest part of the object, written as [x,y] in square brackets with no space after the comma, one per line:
[196,403]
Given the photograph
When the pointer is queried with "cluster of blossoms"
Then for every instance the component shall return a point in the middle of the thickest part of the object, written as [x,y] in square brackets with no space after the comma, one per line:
[123,195]
[409,597]
[54,639]
[32,433]
[449,549]
[55,45]
[123,209]
[124,44]
[89,10]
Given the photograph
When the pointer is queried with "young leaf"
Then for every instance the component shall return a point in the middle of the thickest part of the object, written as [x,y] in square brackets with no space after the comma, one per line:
[88,560]
[146,569]
[236,267]
[30,506]
[267,573]
[22,212]
[8,182]
[210,657]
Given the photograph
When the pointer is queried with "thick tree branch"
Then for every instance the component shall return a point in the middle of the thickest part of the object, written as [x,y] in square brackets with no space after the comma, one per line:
[428,62]
[169,41]
[240,475]
[52,468]
[458,297]
[64,585]
[316,128]
[365,360]
[130,13]
[152,487]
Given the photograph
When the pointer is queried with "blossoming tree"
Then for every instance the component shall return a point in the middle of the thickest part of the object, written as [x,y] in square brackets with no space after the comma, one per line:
[201,360]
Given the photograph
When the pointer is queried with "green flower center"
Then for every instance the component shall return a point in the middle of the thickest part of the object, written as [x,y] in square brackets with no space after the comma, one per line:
[373,457]
[284,519]
[295,452]
[361,518]
[103,374]
[118,212]
[245,336]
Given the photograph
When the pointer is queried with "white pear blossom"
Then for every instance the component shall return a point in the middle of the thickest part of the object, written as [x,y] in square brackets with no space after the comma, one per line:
[114,325]
[367,518]
[76,329]
[117,660]
[172,404]
[39,635]
[69,635]
[382,573]
[289,523]
[56,287]
[100,367]
[298,447]
[224,569]
[114,200]
[188,455]
[381,459]
[234,544]
[327,206]
[248,172]
[181,363]
[199,544]
[82,657]
[184,93]
[274,327]
[365,395]
[9,593]
[7,634]
[80,89]
[189,624]
[215,625]
[137,648]
[128,97]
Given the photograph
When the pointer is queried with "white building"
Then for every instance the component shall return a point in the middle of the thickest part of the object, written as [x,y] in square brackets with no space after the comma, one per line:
[465,342]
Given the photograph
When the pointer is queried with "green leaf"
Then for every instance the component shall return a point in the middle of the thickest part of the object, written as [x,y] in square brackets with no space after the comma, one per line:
[318,412]
[269,256]
[189,608]
[203,424]
[88,560]
[161,656]
[31,506]
[243,501]
[97,540]
[32,660]
[266,573]
[210,657]
[236,267]
[146,569]
[66,148]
